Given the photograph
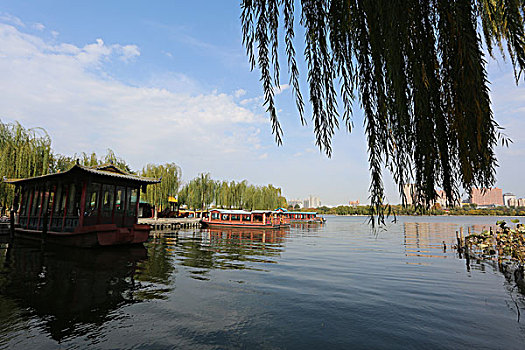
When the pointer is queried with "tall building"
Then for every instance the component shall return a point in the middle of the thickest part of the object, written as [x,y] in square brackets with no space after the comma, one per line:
[315,202]
[486,196]
[312,202]
[409,190]
[509,200]
[442,199]
[512,202]
[521,202]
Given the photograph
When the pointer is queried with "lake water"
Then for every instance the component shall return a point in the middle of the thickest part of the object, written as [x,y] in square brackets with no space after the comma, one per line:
[308,287]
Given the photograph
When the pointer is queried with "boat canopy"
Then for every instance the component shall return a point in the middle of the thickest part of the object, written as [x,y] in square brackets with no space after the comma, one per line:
[231,211]
[285,211]
[79,198]
[106,171]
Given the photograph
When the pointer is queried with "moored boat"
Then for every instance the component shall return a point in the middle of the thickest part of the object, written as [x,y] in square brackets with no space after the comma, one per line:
[84,206]
[241,218]
[300,216]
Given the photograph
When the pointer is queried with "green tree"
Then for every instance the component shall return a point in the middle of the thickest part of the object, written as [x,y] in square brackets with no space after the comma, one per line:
[417,68]
[202,191]
[23,153]
[62,163]
[199,193]
[92,160]
[170,175]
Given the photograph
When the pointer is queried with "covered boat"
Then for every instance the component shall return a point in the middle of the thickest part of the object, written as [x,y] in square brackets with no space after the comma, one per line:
[84,206]
[241,218]
[300,216]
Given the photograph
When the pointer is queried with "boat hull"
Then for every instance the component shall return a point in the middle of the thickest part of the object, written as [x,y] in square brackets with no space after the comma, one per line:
[240,225]
[91,236]
[304,221]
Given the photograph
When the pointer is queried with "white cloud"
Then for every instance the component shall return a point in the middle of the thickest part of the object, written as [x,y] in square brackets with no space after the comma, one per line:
[7,18]
[129,52]
[39,26]
[55,86]
[239,93]
[280,89]
[258,101]
[254,100]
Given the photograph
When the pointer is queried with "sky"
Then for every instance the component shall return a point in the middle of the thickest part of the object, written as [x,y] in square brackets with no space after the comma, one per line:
[169,81]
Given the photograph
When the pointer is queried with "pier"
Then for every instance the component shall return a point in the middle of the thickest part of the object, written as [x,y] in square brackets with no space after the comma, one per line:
[161,224]
[4,228]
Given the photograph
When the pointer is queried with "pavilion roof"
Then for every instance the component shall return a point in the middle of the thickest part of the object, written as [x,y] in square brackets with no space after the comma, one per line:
[106,170]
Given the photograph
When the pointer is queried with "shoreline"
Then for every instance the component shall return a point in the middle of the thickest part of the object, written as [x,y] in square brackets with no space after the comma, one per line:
[430,215]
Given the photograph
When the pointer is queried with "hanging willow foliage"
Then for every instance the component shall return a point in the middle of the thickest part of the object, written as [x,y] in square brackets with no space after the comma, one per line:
[23,153]
[203,191]
[170,175]
[418,69]
[62,163]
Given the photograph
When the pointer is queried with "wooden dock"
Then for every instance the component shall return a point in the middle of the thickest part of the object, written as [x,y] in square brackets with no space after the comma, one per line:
[162,224]
[4,228]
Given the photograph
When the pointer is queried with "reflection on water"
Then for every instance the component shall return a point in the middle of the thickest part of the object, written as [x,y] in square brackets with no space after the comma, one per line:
[423,239]
[69,289]
[74,291]
[222,248]
[432,239]
[308,286]
[307,226]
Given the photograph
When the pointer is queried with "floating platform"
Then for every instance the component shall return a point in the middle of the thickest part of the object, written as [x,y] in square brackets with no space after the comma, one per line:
[161,224]
[4,228]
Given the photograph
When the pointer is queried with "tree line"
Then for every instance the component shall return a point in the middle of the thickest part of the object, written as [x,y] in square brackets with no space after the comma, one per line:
[23,153]
[27,153]
[203,191]
[468,209]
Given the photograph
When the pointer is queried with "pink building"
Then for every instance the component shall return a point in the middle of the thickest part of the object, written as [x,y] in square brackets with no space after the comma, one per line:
[486,196]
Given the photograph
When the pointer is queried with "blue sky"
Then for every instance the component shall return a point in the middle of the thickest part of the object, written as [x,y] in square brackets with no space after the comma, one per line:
[168,81]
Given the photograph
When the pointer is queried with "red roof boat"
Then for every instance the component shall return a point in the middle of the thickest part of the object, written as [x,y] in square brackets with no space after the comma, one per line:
[300,216]
[84,206]
[241,218]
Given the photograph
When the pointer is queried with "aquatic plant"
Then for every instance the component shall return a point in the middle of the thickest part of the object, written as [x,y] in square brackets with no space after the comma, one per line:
[505,244]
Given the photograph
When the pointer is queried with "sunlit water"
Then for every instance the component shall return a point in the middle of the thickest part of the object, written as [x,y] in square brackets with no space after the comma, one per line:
[333,286]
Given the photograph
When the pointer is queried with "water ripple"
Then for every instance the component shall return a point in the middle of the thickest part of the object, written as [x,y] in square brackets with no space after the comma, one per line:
[339,285]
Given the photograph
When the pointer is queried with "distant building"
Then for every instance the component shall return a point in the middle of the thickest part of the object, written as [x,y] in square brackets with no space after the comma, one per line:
[294,202]
[354,203]
[486,196]
[409,190]
[521,202]
[312,202]
[509,200]
[512,202]
[443,201]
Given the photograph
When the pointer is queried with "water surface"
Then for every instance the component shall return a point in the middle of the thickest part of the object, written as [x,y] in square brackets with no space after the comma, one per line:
[333,286]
